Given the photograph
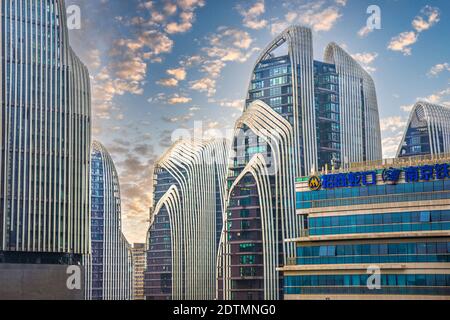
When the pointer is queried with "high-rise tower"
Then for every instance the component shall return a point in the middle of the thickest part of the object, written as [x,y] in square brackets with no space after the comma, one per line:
[109,271]
[186,221]
[301,115]
[45,136]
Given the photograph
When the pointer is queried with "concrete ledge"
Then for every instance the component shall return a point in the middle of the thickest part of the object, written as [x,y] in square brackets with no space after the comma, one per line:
[37,282]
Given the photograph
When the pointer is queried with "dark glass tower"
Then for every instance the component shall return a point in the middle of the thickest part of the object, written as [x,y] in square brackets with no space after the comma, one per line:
[109,268]
[427,131]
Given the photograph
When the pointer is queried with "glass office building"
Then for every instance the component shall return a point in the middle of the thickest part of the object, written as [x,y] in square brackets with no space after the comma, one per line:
[300,115]
[427,131]
[379,230]
[45,135]
[186,221]
[109,267]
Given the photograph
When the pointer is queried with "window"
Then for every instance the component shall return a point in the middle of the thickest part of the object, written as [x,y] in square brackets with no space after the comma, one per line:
[245,225]
[247,259]
[244,213]
[278,81]
[425,216]
[327,251]
[275,101]
[257,85]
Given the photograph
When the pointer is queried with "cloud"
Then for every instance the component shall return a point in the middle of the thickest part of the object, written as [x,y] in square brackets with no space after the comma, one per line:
[392,124]
[440,97]
[391,144]
[341,2]
[366,59]
[432,16]
[438,68]
[177,99]
[403,42]
[364,31]
[168,82]
[237,104]
[392,129]
[178,73]
[317,15]
[407,108]
[224,46]
[206,84]
[133,157]
[179,119]
[252,14]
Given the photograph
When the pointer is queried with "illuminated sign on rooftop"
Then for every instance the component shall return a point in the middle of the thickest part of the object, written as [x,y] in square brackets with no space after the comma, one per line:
[389,176]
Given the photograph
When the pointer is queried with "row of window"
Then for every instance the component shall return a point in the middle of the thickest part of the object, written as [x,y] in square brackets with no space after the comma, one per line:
[381,219]
[392,280]
[278,81]
[406,227]
[413,197]
[375,249]
[431,291]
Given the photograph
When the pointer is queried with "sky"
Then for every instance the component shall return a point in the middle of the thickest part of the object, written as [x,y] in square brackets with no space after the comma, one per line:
[163,67]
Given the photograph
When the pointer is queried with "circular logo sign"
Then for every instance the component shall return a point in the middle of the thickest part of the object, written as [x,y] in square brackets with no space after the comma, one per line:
[314,183]
[391,175]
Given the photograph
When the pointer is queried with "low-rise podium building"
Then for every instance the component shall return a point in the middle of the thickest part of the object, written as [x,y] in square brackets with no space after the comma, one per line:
[377,230]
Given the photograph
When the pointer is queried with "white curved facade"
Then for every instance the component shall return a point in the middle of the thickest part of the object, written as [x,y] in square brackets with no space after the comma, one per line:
[360,120]
[427,131]
[189,198]
[46,132]
[301,115]
[276,197]
[109,269]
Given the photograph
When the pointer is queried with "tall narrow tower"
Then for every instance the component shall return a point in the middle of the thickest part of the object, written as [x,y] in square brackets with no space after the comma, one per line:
[45,136]
[109,268]
[186,221]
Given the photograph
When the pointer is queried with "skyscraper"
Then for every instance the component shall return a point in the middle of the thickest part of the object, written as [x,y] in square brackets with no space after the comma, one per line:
[427,131]
[301,115]
[109,270]
[45,137]
[138,252]
[186,221]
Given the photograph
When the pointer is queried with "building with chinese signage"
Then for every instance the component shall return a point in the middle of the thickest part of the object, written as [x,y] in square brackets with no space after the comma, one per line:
[377,230]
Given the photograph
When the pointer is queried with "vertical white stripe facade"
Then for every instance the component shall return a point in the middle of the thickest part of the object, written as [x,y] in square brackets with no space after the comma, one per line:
[360,122]
[116,275]
[46,132]
[276,202]
[199,168]
[437,119]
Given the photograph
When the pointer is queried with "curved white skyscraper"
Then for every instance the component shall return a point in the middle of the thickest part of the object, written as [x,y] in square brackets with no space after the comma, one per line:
[301,116]
[45,137]
[109,270]
[359,117]
[186,221]
[427,131]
